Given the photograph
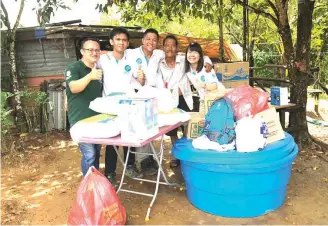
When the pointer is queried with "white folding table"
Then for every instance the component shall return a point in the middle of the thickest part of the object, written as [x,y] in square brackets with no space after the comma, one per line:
[158,156]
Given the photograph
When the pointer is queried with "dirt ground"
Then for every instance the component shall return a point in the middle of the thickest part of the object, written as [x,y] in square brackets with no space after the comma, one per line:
[39,187]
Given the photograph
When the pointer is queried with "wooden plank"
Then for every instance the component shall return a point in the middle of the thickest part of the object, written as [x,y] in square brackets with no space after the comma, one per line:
[314,91]
[283,106]
[269,80]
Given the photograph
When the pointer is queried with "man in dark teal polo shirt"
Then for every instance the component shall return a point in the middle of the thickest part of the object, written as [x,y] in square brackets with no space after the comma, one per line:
[83,81]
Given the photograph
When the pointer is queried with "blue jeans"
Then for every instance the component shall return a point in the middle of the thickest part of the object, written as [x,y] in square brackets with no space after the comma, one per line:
[90,156]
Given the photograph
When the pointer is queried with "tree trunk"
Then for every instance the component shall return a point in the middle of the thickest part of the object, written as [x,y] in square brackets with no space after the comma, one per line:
[299,78]
[11,39]
[14,75]
[250,52]
[220,21]
[245,30]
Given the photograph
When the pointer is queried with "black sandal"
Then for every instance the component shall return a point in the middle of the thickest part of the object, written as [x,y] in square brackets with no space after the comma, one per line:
[174,163]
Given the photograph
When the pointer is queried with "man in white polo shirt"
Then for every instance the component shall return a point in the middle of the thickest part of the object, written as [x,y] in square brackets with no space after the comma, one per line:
[147,58]
[118,77]
[171,75]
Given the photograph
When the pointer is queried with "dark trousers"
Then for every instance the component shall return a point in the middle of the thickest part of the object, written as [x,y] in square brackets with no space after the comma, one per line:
[111,158]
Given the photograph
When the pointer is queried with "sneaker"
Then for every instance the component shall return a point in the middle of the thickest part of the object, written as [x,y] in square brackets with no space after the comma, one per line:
[112,179]
[132,172]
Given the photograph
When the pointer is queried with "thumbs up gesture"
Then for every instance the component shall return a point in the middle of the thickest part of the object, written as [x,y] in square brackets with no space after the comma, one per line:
[141,75]
[95,74]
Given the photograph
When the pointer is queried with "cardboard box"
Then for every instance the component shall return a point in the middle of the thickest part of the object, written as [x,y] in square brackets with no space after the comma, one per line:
[271,118]
[232,71]
[234,84]
[195,125]
[279,95]
[232,74]
[139,119]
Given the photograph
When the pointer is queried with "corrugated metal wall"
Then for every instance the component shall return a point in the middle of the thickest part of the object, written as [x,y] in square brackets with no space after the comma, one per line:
[34,60]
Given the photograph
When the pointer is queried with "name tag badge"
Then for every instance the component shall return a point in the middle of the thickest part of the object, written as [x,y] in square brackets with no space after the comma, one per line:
[127,69]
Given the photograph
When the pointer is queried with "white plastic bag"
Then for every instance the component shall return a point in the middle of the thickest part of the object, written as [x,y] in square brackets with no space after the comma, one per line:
[107,105]
[204,143]
[99,129]
[251,134]
[165,100]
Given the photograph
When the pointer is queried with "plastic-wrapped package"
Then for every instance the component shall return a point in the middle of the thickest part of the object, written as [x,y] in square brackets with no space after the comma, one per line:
[247,101]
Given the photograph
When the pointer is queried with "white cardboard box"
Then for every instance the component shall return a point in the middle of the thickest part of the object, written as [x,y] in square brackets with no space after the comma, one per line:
[271,118]
[138,119]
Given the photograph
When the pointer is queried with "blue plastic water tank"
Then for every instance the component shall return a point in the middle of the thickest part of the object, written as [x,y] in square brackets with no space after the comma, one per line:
[234,184]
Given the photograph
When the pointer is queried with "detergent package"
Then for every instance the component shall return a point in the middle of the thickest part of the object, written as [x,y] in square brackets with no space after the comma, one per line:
[138,119]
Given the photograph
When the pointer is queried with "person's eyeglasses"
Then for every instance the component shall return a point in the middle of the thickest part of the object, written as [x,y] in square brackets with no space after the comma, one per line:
[93,50]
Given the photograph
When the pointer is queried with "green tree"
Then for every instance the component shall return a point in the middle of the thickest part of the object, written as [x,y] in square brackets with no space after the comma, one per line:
[45,12]
[189,26]
[296,46]
[212,10]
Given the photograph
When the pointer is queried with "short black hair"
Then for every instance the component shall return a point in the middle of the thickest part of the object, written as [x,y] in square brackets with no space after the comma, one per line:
[194,46]
[119,30]
[89,39]
[170,37]
[151,30]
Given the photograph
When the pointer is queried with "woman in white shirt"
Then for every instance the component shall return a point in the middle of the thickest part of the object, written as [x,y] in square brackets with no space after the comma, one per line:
[194,67]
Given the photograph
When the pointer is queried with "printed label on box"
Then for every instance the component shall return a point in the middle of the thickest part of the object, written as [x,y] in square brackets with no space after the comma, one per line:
[195,125]
[275,131]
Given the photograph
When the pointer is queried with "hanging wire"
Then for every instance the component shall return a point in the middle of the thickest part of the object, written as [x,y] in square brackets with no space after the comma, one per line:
[65,49]
[43,53]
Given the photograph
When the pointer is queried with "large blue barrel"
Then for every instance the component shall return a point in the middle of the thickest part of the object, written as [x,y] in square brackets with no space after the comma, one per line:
[234,184]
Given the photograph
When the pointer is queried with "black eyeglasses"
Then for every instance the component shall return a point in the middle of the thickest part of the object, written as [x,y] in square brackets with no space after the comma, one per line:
[93,50]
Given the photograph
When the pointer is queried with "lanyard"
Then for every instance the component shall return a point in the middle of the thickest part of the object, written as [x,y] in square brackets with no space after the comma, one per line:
[166,81]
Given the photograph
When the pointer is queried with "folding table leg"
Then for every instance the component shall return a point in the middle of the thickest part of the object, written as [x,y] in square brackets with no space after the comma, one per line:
[159,172]
[159,161]
[124,167]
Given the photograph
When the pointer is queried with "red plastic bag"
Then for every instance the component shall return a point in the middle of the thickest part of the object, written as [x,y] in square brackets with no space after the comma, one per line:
[247,101]
[96,202]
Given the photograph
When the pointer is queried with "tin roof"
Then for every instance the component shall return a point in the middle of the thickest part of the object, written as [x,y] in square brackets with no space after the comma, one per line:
[68,30]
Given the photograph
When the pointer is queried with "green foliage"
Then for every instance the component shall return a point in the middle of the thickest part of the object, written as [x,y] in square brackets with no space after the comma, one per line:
[47,8]
[190,26]
[6,120]
[323,74]
[263,58]
[320,25]
[32,100]
[35,97]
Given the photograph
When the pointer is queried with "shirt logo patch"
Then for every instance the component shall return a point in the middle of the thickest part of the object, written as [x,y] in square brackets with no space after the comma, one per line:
[127,68]
[202,78]
[68,75]
[139,61]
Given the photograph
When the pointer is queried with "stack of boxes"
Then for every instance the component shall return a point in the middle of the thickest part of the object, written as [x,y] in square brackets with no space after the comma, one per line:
[231,75]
